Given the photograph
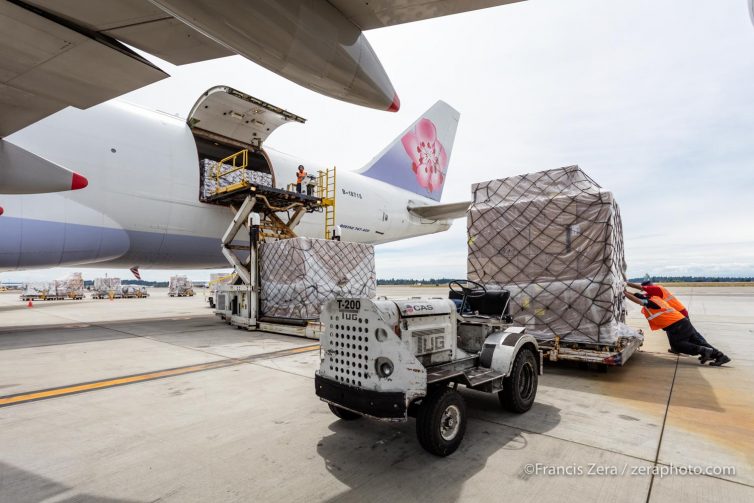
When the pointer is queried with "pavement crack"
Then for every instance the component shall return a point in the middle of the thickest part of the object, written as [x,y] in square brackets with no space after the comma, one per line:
[662,430]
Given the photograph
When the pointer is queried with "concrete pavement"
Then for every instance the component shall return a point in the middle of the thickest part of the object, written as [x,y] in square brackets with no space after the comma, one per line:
[254,430]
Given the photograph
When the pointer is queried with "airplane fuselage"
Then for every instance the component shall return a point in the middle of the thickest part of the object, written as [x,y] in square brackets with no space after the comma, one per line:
[142,208]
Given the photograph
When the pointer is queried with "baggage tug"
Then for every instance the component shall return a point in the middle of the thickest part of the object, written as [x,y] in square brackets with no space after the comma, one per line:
[391,359]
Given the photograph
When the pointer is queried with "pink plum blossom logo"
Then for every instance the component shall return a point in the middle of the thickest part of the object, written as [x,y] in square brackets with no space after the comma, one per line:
[429,162]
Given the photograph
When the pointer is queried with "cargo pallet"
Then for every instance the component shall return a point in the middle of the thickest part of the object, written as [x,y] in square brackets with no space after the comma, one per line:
[106,296]
[181,294]
[26,298]
[119,296]
[612,355]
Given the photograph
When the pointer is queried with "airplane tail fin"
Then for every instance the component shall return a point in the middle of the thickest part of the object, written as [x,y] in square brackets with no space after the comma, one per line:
[417,160]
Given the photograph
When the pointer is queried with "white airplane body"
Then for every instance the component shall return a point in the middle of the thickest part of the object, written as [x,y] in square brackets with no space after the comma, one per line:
[141,206]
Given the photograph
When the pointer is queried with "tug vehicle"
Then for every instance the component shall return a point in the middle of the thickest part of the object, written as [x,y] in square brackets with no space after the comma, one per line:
[394,359]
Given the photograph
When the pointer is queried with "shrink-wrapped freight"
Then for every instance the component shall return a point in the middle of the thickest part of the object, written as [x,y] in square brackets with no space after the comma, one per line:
[553,239]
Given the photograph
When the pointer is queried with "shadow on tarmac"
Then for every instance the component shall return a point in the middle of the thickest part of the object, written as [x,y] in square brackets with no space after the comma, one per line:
[646,377]
[21,486]
[382,461]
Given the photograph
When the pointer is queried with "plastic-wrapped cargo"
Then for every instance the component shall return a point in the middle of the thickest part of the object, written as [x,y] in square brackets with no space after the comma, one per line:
[35,290]
[180,286]
[297,276]
[71,286]
[106,285]
[554,239]
[210,183]
[134,291]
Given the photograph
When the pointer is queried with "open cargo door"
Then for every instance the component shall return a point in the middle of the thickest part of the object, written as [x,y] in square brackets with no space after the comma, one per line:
[227,115]
[229,128]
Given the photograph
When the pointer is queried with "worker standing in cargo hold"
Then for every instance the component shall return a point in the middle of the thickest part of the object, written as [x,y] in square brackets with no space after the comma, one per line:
[680,331]
[654,290]
[300,175]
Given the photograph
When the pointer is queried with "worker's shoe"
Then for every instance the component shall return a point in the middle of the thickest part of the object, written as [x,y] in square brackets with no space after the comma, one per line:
[673,351]
[707,354]
[720,360]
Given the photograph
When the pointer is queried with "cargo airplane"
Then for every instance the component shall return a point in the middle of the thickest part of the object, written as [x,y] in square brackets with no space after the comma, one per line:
[87,179]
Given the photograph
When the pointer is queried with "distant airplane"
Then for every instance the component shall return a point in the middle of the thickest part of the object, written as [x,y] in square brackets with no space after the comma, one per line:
[141,206]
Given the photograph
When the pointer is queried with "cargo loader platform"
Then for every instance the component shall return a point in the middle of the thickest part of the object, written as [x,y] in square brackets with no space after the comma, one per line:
[264,213]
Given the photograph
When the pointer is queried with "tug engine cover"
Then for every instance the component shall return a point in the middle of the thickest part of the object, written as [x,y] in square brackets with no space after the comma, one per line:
[367,364]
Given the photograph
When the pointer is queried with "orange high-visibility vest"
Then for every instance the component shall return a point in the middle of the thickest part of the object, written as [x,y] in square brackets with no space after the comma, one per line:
[300,176]
[670,299]
[663,317]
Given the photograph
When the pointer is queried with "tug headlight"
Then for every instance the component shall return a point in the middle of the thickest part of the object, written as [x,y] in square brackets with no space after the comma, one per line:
[380,334]
[384,367]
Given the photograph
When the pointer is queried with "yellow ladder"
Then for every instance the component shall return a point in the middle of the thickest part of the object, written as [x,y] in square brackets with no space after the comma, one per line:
[326,192]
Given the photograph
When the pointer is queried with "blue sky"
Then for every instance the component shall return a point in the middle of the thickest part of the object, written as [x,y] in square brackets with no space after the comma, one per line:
[654,100]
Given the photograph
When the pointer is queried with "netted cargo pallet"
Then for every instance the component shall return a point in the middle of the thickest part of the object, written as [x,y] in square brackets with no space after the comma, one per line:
[297,276]
[554,239]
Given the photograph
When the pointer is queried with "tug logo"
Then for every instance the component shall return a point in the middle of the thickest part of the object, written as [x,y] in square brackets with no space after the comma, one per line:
[429,344]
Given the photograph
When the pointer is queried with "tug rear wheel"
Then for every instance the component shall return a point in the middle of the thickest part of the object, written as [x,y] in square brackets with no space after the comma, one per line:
[344,414]
[520,388]
[441,422]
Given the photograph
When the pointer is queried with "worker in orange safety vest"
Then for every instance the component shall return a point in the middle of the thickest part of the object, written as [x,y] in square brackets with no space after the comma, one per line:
[656,290]
[300,175]
[681,333]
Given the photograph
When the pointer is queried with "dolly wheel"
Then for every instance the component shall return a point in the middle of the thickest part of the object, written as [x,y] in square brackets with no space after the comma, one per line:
[441,422]
[344,414]
[520,388]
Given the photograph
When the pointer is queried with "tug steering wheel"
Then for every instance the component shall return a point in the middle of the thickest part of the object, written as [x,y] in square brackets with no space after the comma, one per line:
[476,290]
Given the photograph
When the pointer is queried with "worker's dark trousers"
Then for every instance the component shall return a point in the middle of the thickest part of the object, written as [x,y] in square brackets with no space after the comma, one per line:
[298,188]
[697,338]
[684,338]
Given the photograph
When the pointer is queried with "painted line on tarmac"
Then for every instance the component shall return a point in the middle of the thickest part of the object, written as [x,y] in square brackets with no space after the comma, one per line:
[100,324]
[74,389]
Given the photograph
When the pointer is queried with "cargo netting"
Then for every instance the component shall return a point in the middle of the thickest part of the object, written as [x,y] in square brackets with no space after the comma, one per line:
[298,275]
[554,239]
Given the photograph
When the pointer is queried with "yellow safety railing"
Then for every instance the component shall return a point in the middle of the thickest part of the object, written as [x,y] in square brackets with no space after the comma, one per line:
[220,279]
[326,192]
[235,162]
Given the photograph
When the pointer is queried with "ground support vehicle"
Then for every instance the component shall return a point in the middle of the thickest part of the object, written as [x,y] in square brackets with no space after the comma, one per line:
[394,359]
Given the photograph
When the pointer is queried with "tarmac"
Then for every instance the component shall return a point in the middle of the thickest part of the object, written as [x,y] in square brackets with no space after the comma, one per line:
[141,400]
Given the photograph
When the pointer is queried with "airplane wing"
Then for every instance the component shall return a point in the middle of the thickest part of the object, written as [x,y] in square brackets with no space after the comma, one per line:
[58,53]
[55,54]
[372,14]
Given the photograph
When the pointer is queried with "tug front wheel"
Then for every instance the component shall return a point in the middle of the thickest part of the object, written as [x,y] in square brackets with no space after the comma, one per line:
[520,387]
[441,422]
[344,414]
